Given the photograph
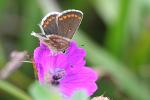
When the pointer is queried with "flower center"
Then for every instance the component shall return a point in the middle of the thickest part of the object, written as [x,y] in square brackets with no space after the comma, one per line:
[57,76]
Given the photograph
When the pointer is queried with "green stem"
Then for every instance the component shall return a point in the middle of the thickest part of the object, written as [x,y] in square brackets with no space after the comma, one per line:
[11,89]
[117,36]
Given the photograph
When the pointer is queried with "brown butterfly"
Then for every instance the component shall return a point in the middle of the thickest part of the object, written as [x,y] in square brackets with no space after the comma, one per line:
[59,28]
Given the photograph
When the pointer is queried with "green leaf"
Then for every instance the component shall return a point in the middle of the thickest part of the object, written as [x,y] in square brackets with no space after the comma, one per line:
[107,9]
[32,17]
[117,35]
[41,92]
[80,95]
[139,53]
[123,19]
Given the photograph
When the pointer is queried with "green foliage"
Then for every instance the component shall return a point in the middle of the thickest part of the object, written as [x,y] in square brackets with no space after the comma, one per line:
[80,95]
[13,90]
[40,92]
[121,57]
[122,76]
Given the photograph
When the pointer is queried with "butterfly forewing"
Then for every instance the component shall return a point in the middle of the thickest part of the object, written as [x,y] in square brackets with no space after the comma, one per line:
[68,22]
[49,24]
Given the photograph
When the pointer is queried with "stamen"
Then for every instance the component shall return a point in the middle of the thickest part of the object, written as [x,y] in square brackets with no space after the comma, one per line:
[57,76]
[55,83]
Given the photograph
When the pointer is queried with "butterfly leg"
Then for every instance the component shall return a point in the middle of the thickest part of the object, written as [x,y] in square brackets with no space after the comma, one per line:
[39,35]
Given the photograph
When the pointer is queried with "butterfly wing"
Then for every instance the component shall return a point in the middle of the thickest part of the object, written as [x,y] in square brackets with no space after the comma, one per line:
[49,25]
[68,22]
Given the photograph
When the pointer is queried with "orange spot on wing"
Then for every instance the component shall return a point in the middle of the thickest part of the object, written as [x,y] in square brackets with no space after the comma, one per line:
[64,17]
[44,26]
[72,15]
[47,22]
[49,19]
[75,16]
[69,16]
[53,17]
[60,18]
[79,17]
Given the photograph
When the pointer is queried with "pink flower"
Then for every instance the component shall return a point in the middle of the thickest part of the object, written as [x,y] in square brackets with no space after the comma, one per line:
[67,71]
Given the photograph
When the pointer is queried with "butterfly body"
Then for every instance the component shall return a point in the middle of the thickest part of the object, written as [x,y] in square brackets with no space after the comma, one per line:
[59,28]
[57,43]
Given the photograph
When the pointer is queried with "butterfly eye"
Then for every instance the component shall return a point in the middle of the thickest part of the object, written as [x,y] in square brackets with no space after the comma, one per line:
[64,51]
[69,29]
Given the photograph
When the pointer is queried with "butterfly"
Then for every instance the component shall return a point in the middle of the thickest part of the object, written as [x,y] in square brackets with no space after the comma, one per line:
[58,28]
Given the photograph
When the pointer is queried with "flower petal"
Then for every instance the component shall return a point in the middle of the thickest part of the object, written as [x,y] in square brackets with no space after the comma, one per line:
[83,78]
[75,54]
[77,76]
[40,73]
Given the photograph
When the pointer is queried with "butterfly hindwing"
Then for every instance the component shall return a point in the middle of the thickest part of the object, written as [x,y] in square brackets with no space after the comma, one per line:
[68,22]
[49,24]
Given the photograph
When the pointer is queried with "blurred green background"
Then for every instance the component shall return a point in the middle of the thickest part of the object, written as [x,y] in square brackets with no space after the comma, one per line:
[115,34]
